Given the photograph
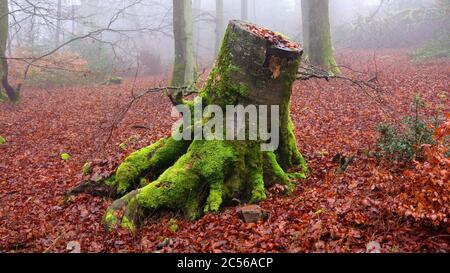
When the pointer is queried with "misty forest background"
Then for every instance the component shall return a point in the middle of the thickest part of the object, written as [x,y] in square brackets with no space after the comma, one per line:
[100,39]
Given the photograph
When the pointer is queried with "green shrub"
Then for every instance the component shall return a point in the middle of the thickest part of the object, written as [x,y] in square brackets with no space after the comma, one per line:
[99,57]
[404,142]
[173,225]
[3,96]
[87,169]
[435,48]
[114,80]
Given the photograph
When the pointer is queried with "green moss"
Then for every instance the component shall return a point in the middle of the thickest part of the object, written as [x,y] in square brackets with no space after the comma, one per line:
[220,88]
[172,189]
[87,168]
[178,78]
[173,225]
[192,207]
[255,168]
[144,182]
[129,207]
[3,96]
[243,90]
[128,224]
[299,175]
[2,140]
[204,162]
[235,184]
[207,166]
[288,155]
[123,146]
[212,157]
[110,181]
[110,219]
[214,200]
[319,212]
[258,191]
[274,174]
[320,49]
[65,156]
[114,80]
[153,158]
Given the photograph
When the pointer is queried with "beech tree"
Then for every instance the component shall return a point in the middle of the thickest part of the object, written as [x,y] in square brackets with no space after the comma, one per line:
[184,69]
[11,92]
[58,23]
[219,23]
[317,35]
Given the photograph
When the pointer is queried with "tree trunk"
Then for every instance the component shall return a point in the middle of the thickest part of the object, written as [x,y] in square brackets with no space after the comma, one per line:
[244,10]
[197,30]
[73,19]
[12,93]
[317,34]
[305,25]
[184,66]
[201,176]
[219,24]
[58,23]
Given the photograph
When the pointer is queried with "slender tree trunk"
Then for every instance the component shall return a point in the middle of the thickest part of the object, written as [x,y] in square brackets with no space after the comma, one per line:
[184,66]
[317,34]
[10,41]
[197,13]
[87,12]
[244,10]
[10,38]
[58,23]
[12,93]
[201,176]
[74,24]
[219,24]
[305,25]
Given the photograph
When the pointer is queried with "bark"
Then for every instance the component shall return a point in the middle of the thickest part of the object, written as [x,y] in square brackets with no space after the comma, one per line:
[317,34]
[11,92]
[73,19]
[184,66]
[197,30]
[219,24]
[58,23]
[201,176]
[305,25]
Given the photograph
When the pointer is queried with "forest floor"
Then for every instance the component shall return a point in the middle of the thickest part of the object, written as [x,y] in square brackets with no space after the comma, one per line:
[329,212]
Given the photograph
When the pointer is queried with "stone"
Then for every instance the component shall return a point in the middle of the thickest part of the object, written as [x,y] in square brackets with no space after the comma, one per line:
[252,214]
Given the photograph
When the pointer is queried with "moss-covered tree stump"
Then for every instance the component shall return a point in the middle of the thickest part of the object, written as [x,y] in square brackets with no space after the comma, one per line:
[254,67]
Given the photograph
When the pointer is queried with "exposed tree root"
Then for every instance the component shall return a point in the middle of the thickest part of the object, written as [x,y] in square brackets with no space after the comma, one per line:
[210,174]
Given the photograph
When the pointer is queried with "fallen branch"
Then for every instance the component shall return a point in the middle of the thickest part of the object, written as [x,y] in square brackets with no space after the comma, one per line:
[175,94]
[308,72]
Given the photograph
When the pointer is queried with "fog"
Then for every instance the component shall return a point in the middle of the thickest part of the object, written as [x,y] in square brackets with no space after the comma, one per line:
[124,30]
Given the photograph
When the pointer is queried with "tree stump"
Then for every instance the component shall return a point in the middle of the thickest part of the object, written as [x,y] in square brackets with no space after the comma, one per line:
[255,66]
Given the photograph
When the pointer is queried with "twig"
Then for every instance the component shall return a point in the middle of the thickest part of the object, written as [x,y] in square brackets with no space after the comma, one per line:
[313,72]
[175,94]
